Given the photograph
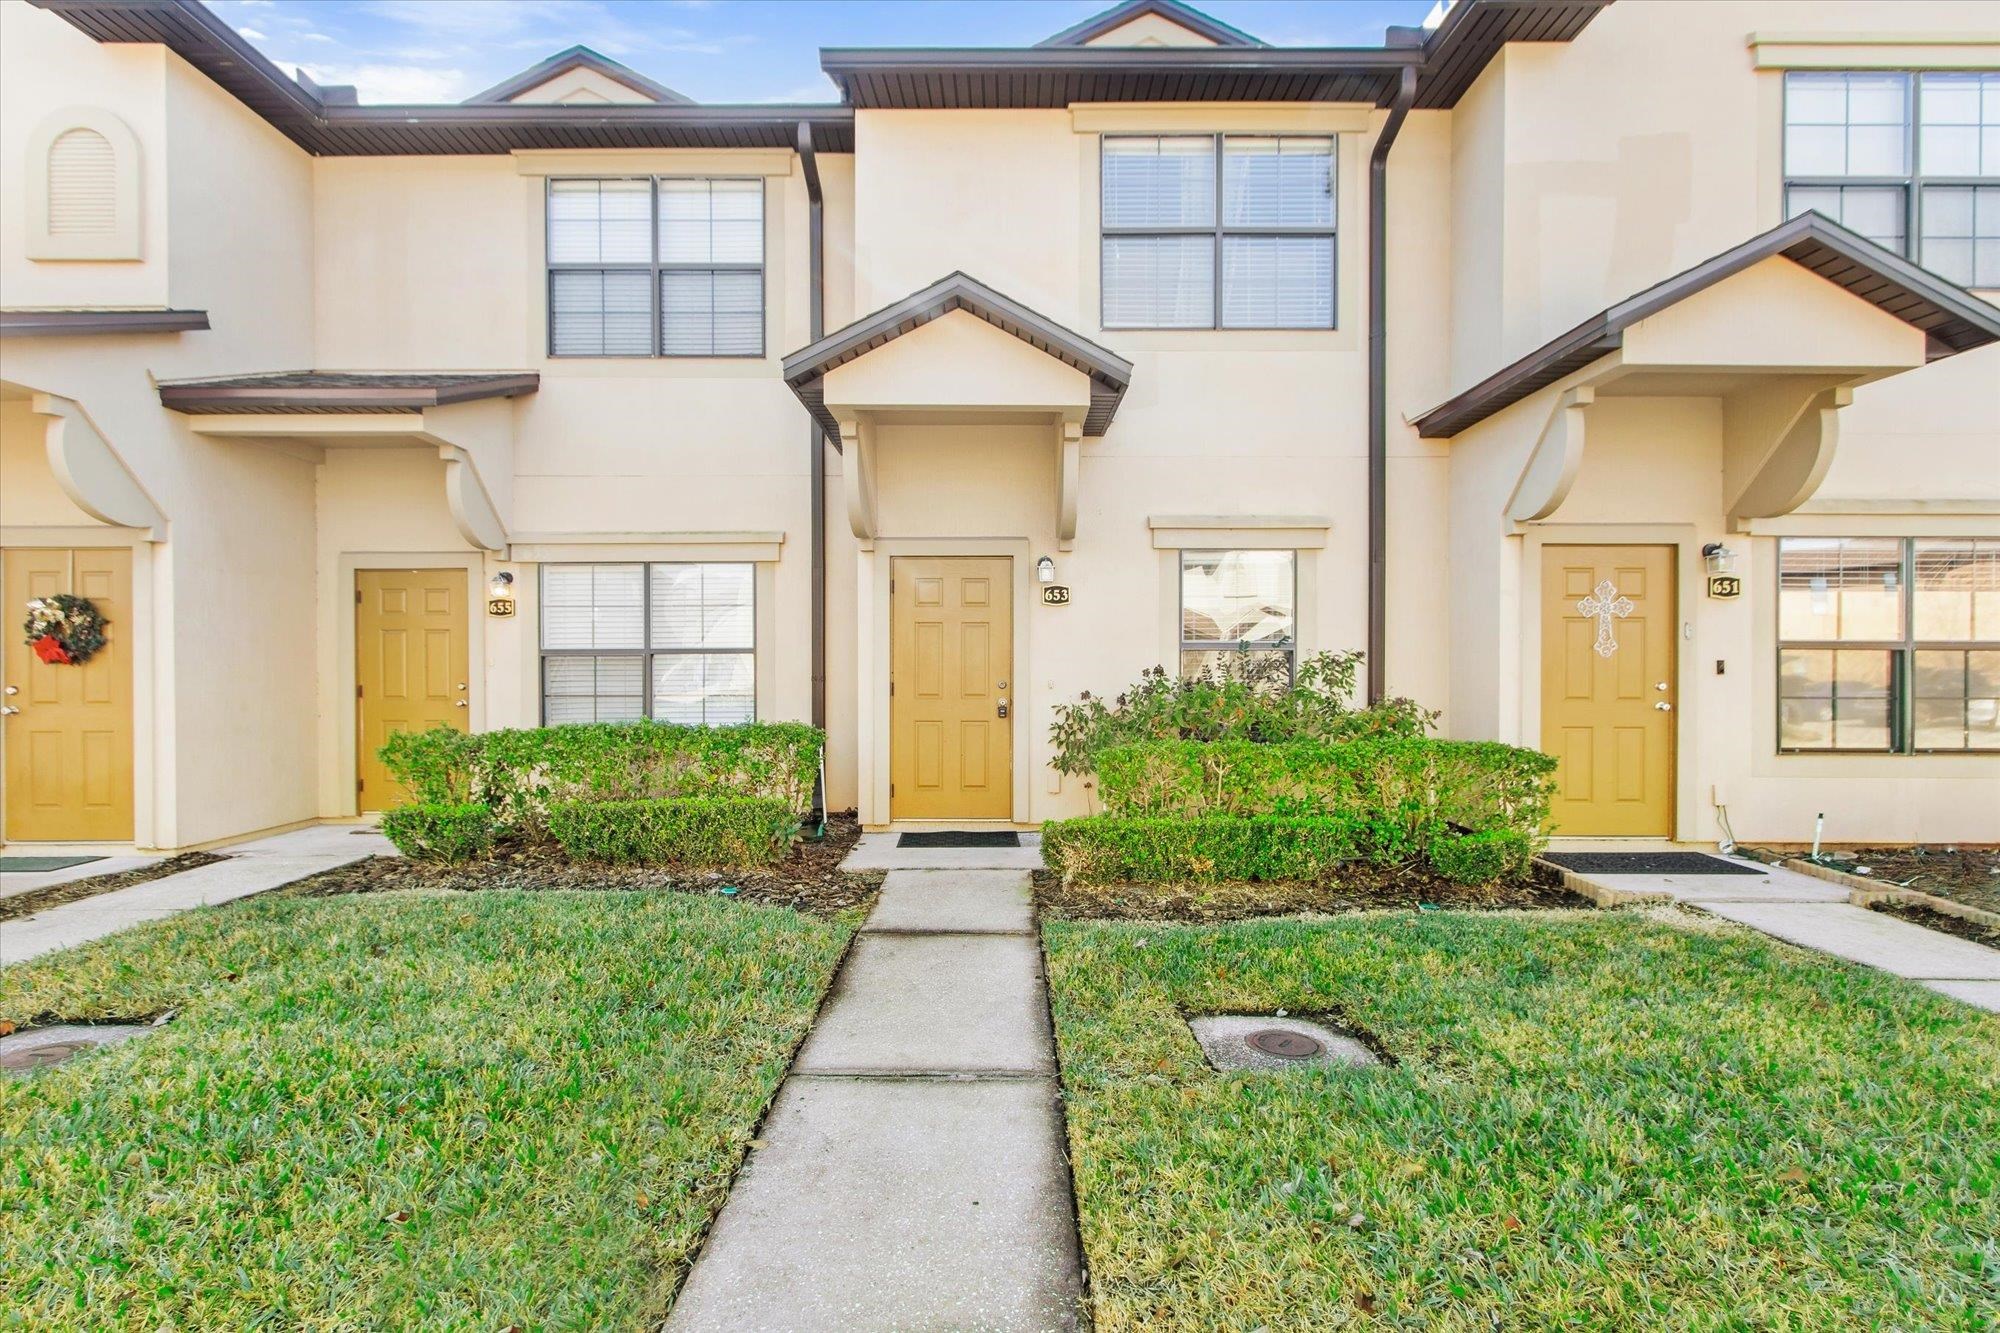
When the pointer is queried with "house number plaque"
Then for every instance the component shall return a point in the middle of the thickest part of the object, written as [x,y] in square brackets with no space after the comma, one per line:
[499,606]
[1725,586]
[1056,594]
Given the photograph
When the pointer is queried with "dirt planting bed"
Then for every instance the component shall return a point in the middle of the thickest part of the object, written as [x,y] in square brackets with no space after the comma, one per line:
[27,904]
[810,879]
[1969,875]
[1362,888]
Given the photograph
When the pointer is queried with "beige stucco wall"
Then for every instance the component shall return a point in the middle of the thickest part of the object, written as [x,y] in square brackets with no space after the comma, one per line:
[1570,176]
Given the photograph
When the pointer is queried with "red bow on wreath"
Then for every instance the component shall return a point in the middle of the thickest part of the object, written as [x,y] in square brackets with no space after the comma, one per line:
[49,648]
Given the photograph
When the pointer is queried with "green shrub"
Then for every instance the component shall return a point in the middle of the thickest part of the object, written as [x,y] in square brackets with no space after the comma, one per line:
[440,831]
[726,831]
[1105,849]
[1482,858]
[1246,697]
[522,773]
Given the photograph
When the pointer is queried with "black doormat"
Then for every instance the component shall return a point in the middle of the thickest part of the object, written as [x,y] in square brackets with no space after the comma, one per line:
[34,865]
[952,838]
[1650,863]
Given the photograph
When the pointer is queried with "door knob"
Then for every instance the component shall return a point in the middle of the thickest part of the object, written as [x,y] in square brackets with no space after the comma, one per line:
[1002,710]
[1664,706]
[9,711]
[460,704]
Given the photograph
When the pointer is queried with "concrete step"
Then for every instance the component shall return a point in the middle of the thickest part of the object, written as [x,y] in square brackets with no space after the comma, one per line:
[986,902]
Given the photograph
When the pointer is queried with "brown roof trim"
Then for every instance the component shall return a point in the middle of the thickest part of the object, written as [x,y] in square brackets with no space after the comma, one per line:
[1110,374]
[1954,319]
[1187,16]
[1447,61]
[326,128]
[579,57]
[342,392]
[69,323]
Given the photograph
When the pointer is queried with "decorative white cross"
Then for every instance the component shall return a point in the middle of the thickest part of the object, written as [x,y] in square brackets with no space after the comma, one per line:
[1604,603]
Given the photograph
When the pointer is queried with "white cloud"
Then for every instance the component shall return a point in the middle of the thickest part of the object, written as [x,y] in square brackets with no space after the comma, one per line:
[251,34]
[399,84]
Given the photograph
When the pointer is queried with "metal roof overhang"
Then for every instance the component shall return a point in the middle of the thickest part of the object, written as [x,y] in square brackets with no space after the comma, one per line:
[1109,374]
[1953,319]
[325,129]
[71,323]
[334,392]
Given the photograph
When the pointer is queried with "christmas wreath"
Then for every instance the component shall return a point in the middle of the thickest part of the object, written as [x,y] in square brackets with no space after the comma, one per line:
[64,630]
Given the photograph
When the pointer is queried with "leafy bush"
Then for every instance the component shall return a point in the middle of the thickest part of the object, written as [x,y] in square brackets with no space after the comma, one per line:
[1397,790]
[728,831]
[440,831]
[1482,858]
[522,773]
[1107,849]
[1246,698]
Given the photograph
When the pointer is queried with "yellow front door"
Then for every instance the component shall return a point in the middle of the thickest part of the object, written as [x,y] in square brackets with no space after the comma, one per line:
[1608,688]
[68,732]
[410,669]
[951,679]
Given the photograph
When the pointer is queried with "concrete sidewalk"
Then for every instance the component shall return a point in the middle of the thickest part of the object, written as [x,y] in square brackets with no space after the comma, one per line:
[1816,914]
[911,1174]
[251,867]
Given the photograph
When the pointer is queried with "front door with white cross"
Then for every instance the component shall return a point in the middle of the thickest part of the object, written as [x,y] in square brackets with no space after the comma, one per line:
[1602,605]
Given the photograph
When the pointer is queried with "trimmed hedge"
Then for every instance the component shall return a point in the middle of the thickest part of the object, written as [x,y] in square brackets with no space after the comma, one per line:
[733,832]
[440,832]
[521,774]
[1199,811]
[1106,849]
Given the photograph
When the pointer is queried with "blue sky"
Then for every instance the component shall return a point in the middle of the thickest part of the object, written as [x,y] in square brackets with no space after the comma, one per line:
[711,50]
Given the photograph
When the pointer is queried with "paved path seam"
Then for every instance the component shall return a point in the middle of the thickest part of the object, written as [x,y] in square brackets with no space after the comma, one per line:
[911,1173]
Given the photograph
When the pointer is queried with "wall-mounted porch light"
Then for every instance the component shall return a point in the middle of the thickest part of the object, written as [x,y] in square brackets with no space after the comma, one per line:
[501,586]
[1719,558]
[1045,570]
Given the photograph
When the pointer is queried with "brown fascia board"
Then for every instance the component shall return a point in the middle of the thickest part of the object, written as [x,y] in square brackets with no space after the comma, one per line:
[73,323]
[1172,11]
[579,57]
[1953,319]
[246,395]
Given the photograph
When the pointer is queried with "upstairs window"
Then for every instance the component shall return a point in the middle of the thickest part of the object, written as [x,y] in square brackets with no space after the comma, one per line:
[1888,645]
[656,267]
[1899,157]
[1218,231]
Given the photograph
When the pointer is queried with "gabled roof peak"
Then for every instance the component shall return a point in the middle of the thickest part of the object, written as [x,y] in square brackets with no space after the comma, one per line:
[578,57]
[1173,11]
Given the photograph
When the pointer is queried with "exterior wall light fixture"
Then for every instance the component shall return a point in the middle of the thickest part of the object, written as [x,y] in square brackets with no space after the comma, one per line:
[1719,558]
[501,586]
[1045,570]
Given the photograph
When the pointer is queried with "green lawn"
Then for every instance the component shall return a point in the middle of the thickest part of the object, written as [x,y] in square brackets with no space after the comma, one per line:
[1599,1121]
[398,1110]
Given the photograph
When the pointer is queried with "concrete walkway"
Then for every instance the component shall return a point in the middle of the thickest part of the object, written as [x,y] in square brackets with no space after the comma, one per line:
[911,1174]
[251,867]
[1816,914]
[14,883]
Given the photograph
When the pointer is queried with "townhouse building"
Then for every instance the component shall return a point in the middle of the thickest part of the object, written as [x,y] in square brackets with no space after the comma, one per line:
[1619,376]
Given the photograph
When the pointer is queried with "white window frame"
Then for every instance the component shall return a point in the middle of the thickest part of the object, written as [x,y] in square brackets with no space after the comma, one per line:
[645,653]
[1219,229]
[655,269]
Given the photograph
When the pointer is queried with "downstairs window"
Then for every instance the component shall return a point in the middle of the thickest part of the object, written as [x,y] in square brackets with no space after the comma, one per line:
[673,642]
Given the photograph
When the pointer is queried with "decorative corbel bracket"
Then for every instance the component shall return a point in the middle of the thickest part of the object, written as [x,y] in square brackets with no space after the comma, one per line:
[1550,472]
[91,472]
[1069,460]
[857,449]
[1777,448]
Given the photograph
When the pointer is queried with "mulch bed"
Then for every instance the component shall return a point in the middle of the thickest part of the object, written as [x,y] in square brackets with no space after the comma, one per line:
[809,880]
[27,904]
[1969,875]
[1363,888]
[1919,915]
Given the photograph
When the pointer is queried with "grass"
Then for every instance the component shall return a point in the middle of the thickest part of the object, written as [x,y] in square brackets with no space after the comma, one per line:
[1597,1121]
[446,1111]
